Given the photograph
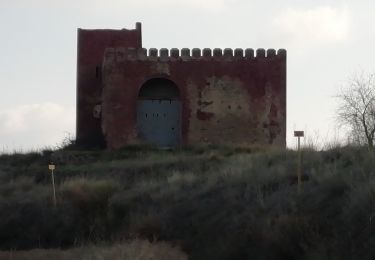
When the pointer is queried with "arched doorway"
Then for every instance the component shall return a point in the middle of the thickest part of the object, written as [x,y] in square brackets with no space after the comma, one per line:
[159,113]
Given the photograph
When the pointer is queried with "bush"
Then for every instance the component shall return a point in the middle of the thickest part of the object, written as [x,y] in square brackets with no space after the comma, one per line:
[90,199]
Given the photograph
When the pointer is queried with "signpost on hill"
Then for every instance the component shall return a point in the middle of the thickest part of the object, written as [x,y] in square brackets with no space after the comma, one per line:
[299,134]
[52,167]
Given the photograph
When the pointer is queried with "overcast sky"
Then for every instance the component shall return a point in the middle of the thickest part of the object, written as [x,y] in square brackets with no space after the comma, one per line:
[326,41]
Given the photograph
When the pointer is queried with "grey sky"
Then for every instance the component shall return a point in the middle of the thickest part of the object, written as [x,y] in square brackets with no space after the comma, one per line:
[326,42]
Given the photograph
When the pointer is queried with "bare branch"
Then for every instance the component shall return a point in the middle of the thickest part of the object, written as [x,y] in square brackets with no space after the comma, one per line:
[356,107]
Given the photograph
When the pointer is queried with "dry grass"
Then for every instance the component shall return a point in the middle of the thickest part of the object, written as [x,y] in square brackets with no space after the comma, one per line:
[216,203]
[134,250]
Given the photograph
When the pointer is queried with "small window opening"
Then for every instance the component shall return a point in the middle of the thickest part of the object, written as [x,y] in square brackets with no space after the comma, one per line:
[97,72]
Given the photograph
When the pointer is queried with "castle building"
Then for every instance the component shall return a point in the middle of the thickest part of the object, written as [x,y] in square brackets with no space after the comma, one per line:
[130,95]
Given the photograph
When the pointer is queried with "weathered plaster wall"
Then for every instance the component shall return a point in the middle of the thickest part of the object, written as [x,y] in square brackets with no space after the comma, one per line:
[90,52]
[226,97]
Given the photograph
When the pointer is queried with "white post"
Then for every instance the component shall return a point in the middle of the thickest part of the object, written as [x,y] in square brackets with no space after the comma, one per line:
[52,168]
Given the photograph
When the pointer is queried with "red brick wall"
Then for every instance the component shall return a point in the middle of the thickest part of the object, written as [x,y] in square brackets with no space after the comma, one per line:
[90,53]
[226,98]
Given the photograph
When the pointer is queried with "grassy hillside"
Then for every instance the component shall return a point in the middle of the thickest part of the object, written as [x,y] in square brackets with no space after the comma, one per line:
[212,202]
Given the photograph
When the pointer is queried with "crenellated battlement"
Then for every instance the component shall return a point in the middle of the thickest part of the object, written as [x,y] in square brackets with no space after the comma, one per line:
[129,95]
[185,54]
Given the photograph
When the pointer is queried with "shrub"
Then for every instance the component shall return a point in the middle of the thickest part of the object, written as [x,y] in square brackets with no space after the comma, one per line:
[90,198]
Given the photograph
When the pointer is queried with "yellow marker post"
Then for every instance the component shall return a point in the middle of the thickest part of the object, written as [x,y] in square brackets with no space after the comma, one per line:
[299,134]
[52,167]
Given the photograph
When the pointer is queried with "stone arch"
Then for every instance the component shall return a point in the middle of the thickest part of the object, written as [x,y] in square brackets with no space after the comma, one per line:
[159,88]
[159,113]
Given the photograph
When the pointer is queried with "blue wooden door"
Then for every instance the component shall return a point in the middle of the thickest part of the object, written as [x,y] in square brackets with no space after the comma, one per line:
[159,122]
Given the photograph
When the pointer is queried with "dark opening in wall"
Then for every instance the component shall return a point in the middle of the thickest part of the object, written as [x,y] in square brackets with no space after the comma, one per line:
[98,72]
[159,88]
